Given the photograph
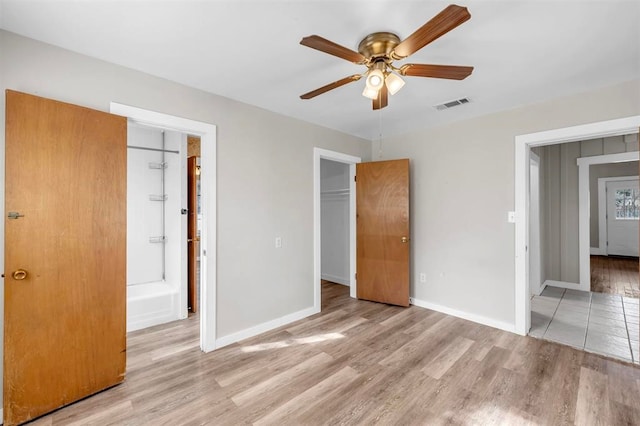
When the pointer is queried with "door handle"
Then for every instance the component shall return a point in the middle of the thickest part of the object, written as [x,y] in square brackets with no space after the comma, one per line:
[405,239]
[19,275]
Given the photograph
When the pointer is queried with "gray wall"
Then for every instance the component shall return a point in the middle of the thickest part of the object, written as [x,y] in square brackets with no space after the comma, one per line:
[334,197]
[264,172]
[559,200]
[469,256]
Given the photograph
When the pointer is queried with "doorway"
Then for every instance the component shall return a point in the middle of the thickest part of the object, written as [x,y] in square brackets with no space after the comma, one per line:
[570,313]
[523,145]
[622,205]
[207,134]
[156,226]
[350,163]
[194,223]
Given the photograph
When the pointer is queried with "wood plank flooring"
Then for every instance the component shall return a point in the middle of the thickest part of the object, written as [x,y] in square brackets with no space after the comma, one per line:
[360,362]
[615,275]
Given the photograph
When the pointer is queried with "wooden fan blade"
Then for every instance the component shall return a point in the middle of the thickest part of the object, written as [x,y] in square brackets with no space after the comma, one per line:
[327,46]
[452,72]
[439,25]
[331,86]
[383,98]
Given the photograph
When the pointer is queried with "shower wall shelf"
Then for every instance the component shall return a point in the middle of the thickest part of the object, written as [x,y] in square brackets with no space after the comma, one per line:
[158,240]
[158,166]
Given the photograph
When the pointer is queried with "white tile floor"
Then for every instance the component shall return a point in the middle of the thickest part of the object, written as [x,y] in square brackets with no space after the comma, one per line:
[606,324]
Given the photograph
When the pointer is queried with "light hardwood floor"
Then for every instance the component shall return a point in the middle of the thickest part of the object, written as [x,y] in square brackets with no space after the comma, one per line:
[366,363]
[615,275]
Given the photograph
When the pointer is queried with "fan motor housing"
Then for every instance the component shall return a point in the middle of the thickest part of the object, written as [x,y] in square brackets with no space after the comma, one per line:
[378,45]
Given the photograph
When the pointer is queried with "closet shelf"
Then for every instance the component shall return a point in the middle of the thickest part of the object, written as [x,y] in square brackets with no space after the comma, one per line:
[335,191]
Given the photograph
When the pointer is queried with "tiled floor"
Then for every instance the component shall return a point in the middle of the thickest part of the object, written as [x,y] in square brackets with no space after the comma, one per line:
[602,323]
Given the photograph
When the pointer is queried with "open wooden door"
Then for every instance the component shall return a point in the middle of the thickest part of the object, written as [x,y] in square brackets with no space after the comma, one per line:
[65,254]
[192,233]
[382,211]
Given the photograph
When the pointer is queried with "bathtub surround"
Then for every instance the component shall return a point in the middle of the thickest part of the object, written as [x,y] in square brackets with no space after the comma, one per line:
[156,240]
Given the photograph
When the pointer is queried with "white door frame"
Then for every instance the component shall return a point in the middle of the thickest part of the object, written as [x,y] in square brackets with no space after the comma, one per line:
[207,133]
[319,154]
[535,254]
[523,145]
[602,213]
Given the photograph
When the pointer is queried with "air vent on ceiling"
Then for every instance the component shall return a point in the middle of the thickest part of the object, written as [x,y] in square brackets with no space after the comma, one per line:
[452,104]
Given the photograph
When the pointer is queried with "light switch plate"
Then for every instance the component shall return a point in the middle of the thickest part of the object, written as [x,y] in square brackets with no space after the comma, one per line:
[511,217]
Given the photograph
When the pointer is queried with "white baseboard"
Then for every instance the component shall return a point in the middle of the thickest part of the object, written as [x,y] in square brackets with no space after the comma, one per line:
[465,315]
[597,251]
[562,284]
[540,290]
[335,279]
[264,327]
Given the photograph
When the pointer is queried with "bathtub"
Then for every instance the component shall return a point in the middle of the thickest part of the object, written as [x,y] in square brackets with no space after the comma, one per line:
[151,304]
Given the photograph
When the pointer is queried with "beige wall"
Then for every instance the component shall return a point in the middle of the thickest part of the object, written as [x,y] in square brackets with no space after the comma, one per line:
[462,186]
[264,170]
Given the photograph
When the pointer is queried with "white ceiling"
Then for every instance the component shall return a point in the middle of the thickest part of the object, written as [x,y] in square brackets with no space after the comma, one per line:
[522,51]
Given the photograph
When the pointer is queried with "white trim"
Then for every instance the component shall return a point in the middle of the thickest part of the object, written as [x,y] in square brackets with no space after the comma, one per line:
[318,154]
[602,212]
[537,255]
[464,315]
[335,279]
[562,284]
[264,327]
[207,133]
[523,144]
[596,251]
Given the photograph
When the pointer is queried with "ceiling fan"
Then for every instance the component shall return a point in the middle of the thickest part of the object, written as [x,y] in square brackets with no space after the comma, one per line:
[377,52]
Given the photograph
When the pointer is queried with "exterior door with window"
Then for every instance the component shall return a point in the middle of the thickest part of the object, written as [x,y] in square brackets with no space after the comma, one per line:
[623,204]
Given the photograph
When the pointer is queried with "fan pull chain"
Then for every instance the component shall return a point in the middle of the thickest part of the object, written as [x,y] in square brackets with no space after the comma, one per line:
[380,134]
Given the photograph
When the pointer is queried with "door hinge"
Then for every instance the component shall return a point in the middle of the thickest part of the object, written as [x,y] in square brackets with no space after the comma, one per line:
[355,178]
[14,215]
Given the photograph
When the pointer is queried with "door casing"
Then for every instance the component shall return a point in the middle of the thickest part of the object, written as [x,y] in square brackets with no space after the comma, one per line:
[523,145]
[208,242]
[602,213]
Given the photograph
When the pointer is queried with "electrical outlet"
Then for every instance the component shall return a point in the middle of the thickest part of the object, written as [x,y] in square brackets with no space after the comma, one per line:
[423,277]
[278,242]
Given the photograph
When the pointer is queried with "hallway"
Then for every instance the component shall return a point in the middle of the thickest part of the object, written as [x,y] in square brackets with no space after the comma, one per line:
[615,275]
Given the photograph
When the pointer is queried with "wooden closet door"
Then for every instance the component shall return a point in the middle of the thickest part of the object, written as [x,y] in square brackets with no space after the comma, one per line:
[65,254]
[382,198]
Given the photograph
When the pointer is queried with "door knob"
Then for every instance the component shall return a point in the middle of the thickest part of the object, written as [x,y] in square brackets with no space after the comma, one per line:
[19,275]
[404,239]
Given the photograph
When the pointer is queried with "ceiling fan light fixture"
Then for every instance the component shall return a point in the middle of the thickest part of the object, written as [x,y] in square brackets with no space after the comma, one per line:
[370,93]
[394,83]
[375,79]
